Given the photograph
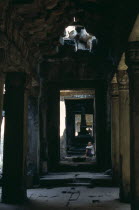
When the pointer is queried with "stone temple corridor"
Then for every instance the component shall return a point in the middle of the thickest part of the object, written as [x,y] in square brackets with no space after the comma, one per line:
[69,104]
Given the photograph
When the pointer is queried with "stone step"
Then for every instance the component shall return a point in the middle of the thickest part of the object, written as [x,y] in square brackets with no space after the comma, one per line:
[78,148]
[72,152]
[75,180]
[77,167]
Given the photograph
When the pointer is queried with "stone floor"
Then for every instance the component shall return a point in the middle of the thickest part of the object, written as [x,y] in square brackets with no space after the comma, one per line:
[78,198]
[74,191]
[72,198]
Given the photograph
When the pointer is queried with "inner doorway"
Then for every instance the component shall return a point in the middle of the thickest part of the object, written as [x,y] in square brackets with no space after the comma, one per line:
[77,125]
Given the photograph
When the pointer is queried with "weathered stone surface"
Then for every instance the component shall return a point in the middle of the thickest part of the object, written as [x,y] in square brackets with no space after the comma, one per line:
[115,128]
[124,135]
[31,25]
[133,62]
[51,4]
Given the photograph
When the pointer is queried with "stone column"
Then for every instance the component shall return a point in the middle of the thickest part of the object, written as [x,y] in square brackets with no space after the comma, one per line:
[108,124]
[124,131]
[26,96]
[133,63]
[43,134]
[2,81]
[53,126]
[115,128]
[33,156]
[101,141]
[63,136]
[13,186]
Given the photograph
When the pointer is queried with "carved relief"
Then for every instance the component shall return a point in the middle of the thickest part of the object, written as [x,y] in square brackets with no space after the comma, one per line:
[123,80]
[10,57]
[15,61]
[114,86]
[122,65]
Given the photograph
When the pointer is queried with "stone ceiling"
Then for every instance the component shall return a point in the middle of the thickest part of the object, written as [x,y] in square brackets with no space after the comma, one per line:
[34,27]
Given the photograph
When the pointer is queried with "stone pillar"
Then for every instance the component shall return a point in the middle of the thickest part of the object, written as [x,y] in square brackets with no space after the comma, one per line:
[133,63]
[115,128]
[53,126]
[63,136]
[33,156]
[124,131]
[101,141]
[13,186]
[108,125]
[43,134]
[26,125]
[2,81]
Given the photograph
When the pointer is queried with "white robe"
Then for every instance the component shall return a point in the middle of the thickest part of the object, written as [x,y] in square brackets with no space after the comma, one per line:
[91,148]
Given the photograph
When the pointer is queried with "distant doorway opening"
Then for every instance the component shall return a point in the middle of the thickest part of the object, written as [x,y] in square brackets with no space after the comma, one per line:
[77,125]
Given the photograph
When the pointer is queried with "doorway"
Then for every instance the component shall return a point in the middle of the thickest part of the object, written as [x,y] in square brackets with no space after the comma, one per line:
[77,125]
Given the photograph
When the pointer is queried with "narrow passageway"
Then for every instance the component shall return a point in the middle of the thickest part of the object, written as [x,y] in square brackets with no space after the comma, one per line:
[69,104]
